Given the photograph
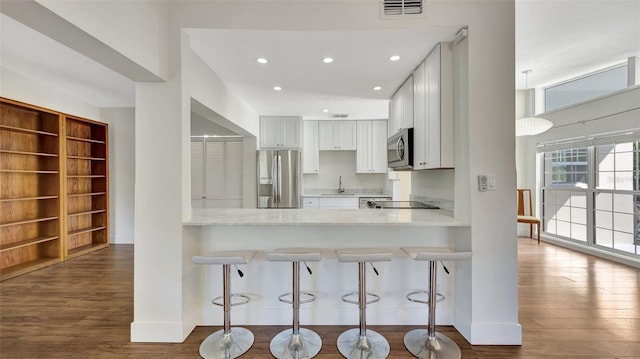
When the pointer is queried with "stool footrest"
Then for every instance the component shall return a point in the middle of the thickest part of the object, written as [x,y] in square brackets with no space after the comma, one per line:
[345,298]
[411,297]
[244,299]
[310,297]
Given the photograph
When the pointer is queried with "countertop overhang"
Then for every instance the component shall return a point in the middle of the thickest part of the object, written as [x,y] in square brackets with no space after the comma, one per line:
[325,217]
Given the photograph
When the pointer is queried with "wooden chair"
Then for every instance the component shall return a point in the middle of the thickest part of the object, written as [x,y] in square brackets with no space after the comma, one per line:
[527,217]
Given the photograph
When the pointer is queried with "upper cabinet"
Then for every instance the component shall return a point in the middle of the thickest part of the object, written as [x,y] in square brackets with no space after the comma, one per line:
[280,132]
[401,107]
[371,154]
[310,154]
[337,135]
[433,110]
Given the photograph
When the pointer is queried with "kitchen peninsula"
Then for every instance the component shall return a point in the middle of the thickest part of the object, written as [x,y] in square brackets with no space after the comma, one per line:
[264,230]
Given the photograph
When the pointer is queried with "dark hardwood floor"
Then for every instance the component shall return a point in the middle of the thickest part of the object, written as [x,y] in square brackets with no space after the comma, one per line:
[571,306]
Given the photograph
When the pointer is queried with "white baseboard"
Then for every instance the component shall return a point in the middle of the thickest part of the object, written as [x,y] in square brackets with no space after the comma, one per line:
[159,332]
[495,334]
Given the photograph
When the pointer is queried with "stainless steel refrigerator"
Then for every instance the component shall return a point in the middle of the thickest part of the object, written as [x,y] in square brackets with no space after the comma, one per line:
[278,179]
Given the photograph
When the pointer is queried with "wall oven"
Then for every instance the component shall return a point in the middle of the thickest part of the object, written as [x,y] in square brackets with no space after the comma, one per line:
[400,150]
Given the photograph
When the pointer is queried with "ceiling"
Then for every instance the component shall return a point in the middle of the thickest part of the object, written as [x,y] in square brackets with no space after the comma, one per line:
[557,40]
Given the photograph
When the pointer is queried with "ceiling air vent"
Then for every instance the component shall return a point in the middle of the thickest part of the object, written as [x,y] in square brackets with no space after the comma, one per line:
[401,7]
[339,115]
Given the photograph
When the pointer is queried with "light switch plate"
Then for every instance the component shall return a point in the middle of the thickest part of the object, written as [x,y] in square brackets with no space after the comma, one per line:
[483,183]
[491,183]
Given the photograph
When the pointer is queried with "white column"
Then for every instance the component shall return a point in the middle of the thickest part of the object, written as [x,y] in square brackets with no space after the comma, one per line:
[161,202]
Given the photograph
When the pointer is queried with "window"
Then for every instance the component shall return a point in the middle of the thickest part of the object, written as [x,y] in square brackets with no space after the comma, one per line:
[586,87]
[591,192]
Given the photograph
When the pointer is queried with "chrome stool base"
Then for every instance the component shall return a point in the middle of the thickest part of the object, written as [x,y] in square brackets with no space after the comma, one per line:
[226,346]
[422,346]
[354,346]
[304,345]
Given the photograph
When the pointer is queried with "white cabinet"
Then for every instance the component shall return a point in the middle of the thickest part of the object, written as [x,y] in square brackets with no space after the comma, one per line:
[401,107]
[310,153]
[371,152]
[331,202]
[280,132]
[336,135]
[433,110]
[310,202]
[338,202]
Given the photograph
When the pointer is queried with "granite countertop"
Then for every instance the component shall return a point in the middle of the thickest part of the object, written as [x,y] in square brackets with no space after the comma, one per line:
[329,217]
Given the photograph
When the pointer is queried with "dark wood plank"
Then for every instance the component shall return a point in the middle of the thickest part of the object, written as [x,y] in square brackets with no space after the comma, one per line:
[571,306]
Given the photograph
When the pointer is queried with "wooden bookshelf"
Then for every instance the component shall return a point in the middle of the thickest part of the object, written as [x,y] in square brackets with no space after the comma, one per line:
[54,187]
[30,188]
[87,186]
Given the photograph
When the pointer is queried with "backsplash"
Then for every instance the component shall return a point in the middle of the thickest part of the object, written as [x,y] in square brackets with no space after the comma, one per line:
[342,163]
[444,204]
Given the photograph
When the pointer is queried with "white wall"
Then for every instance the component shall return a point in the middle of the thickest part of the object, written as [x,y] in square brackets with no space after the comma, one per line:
[121,172]
[209,90]
[138,29]
[21,87]
[342,163]
[433,183]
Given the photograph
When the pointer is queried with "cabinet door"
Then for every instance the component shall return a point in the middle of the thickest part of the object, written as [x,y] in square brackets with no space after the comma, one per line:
[310,202]
[345,133]
[407,103]
[325,135]
[310,155]
[290,132]
[420,116]
[395,112]
[378,146]
[270,132]
[363,148]
[432,155]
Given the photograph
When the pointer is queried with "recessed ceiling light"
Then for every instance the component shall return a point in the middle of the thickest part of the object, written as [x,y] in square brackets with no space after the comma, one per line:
[325,110]
[262,60]
[327,60]
[277,88]
[377,88]
[394,58]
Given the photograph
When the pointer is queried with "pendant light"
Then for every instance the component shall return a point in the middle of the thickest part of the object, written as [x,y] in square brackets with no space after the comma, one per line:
[530,125]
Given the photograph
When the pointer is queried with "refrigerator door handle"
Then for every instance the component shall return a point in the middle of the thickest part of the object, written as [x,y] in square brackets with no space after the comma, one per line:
[279,179]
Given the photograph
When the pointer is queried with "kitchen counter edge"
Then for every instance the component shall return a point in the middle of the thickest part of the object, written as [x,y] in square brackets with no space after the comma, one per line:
[325,217]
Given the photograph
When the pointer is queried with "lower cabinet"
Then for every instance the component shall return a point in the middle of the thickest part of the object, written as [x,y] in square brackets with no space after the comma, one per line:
[330,202]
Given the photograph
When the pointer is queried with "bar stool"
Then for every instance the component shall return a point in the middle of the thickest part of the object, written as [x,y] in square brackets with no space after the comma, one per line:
[296,343]
[360,342]
[228,342]
[429,343]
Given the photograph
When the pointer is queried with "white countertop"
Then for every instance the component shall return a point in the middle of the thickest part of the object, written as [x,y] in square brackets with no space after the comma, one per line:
[329,217]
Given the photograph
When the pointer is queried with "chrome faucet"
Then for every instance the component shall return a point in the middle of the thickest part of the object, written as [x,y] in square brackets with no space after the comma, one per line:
[340,188]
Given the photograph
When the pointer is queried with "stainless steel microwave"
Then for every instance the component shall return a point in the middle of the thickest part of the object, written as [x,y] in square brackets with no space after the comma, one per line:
[400,150]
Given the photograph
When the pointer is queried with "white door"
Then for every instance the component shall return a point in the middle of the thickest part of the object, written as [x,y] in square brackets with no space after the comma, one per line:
[197,174]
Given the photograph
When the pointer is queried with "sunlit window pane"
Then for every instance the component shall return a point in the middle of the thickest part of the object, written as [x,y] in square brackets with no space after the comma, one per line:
[604,220]
[585,88]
